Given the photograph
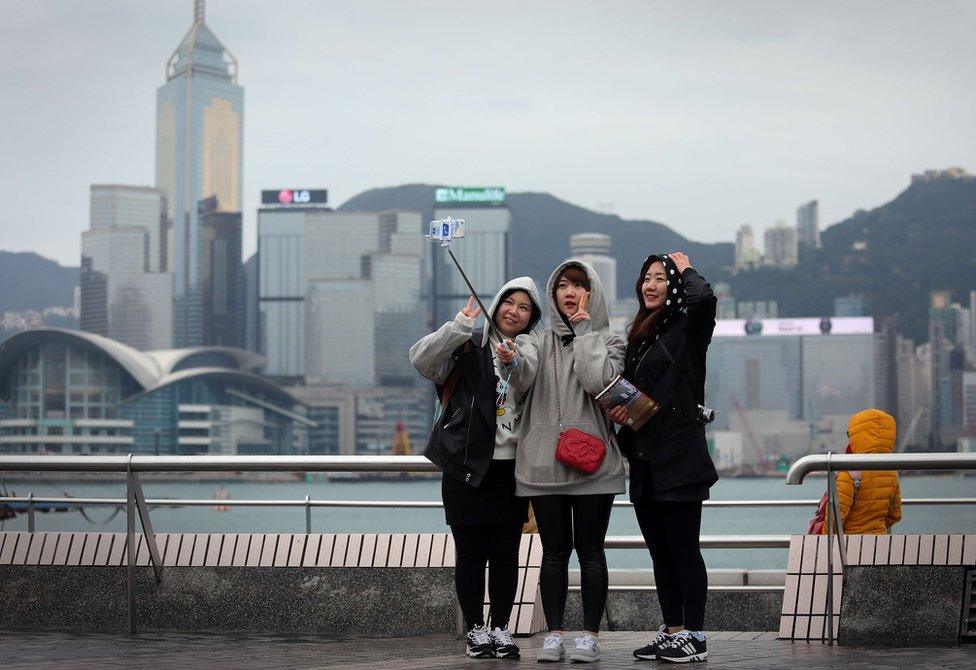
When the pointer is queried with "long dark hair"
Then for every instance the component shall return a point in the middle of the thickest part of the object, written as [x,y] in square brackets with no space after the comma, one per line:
[642,325]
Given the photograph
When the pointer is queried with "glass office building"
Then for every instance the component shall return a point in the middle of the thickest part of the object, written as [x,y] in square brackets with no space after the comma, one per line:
[809,368]
[199,154]
[73,392]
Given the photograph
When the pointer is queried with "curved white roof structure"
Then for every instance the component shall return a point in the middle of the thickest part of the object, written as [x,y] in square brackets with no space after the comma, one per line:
[151,370]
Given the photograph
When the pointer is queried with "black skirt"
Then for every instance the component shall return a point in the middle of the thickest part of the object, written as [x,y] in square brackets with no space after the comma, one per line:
[642,487]
[494,502]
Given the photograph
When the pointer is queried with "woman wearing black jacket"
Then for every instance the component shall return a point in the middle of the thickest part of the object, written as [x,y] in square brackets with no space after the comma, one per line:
[670,468]
[473,443]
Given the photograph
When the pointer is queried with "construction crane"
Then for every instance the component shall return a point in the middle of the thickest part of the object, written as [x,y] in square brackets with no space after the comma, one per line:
[750,435]
[907,436]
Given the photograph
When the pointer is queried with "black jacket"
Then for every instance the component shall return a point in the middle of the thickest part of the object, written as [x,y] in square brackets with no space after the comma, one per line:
[670,450]
[462,441]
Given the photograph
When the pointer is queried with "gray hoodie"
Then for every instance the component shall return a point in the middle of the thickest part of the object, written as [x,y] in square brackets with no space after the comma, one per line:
[431,357]
[585,366]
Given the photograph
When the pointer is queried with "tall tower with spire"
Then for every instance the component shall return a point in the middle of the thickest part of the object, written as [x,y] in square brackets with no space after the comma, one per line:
[199,155]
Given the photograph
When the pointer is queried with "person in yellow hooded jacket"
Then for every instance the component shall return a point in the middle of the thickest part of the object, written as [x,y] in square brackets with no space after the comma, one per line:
[870,501]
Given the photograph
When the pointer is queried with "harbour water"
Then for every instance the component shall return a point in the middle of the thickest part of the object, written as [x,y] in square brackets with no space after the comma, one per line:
[716,521]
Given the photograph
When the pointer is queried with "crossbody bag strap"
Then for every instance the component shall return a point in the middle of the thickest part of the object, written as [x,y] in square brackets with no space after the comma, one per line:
[452,381]
[555,383]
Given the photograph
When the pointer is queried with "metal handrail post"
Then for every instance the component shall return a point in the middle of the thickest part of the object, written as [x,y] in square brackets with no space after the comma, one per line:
[30,512]
[147,529]
[830,555]
[308,515]
[130,550]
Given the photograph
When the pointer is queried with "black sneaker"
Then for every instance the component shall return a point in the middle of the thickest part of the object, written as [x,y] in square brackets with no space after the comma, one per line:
[504,643]
[479,643]
[661,640]
[684,648]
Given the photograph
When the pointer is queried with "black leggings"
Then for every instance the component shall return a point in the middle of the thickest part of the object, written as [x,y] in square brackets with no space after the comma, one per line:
[566,522]
[671,531]
[498,546]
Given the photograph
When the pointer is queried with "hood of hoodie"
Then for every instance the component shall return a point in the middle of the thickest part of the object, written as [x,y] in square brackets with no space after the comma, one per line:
[674,302]
[518,284]
[872,432]
[597,307]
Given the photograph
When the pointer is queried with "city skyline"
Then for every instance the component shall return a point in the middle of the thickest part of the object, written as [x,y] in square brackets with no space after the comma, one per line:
[711,105]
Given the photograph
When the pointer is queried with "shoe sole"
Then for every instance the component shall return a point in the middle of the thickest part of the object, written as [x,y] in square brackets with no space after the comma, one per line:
[479,654]
[514,655]
[646,657]
[549,660]
[694,658]
[583,660]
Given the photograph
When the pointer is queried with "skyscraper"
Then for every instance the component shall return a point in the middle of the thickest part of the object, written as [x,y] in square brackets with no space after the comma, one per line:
[746,254]
[808,224]
[780,246]
[124,293]
[594,248]
[199,154]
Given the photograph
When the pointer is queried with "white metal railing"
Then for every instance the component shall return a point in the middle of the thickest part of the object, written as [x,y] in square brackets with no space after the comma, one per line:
[136,503]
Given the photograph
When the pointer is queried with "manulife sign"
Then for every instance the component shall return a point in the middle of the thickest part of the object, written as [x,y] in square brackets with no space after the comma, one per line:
[485,194]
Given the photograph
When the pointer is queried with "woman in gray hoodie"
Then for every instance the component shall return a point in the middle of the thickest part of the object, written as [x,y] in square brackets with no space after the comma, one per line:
[563,368]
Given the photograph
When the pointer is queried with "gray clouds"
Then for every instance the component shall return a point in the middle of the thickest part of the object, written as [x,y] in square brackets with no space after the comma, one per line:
[702,115]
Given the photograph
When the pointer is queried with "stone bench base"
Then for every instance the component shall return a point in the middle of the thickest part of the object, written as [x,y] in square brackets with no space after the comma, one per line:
[345,584]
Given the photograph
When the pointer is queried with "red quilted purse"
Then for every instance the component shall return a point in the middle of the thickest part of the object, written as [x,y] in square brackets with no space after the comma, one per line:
[575,448]
[578,449]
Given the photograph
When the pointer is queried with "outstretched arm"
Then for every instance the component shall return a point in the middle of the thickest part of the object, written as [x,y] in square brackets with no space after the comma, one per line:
[527,348]
[431,356]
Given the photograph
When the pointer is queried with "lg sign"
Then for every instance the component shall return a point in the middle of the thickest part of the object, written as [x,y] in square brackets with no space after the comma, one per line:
[295,196]
[287,197]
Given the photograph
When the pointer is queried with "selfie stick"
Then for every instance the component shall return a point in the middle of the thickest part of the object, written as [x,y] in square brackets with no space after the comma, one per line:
[474,294]
[444,231]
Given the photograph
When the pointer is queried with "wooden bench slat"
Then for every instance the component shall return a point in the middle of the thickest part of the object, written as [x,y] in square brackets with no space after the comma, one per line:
[354,545]
[367,550]
[185,552]
[201,544]
[381,557]
[266,560]
[228,550]
[323,557]
[283,550]
[297,554]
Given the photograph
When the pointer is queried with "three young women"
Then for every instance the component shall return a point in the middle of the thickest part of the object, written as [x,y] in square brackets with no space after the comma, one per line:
[562,369]
[670,468]
[473,442]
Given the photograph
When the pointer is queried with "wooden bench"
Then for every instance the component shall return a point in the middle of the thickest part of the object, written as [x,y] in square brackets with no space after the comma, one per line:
[804,615]
[275,550]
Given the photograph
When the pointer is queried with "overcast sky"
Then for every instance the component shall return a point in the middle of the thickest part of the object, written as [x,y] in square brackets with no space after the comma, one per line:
[701,115]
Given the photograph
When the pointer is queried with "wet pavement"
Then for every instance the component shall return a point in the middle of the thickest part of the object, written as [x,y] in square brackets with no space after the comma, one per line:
[757,650]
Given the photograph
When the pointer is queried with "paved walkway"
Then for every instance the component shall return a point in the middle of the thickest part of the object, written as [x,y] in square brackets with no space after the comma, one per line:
[158,651]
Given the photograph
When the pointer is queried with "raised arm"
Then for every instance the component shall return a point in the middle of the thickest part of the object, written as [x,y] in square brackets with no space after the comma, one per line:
[431,356]
[598,358]
[700,300]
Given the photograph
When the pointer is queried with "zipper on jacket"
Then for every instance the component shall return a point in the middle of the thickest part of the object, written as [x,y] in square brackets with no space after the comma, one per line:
[467,434]
[448,422]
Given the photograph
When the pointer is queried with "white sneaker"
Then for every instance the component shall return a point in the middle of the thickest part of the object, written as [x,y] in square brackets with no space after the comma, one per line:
[587,650]
[552,650]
